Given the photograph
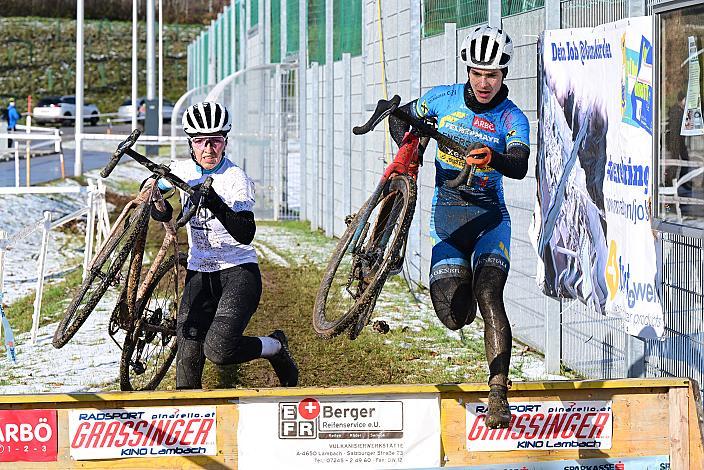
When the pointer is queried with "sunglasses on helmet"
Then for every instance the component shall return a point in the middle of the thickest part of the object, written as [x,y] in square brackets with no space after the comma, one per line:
[216,142]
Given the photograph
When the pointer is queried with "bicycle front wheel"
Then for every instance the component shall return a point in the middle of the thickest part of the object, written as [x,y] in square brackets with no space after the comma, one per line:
[150,347]
[103,273]
[363,257]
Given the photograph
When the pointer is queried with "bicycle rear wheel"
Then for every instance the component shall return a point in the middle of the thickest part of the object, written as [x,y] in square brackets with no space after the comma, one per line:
[104,272]
[150,347]
[363,257]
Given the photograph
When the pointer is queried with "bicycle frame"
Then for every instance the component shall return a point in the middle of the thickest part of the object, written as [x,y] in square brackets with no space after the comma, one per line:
[135,287]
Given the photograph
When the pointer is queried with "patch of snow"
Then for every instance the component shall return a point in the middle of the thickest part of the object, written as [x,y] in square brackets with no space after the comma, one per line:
[88,363]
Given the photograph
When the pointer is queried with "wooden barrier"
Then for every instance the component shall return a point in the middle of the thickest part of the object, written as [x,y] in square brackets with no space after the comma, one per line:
[651,417]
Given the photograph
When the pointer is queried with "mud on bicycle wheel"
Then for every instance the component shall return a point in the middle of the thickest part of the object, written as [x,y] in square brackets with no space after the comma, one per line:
[356,272]
[103,273]
[150,346]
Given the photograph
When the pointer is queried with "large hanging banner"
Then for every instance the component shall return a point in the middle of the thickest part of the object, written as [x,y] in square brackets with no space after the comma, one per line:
[592,222]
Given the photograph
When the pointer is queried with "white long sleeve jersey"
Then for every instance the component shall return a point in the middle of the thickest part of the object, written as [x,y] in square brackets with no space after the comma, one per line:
[210,247]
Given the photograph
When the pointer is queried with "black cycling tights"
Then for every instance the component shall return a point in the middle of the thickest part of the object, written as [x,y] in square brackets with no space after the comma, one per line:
[453,300]
[215,310]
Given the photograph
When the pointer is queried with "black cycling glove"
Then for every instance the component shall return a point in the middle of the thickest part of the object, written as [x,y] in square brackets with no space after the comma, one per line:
[239,224]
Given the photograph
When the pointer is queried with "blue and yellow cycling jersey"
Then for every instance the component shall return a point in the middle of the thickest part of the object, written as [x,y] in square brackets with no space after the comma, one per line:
[499,128]
[470,225]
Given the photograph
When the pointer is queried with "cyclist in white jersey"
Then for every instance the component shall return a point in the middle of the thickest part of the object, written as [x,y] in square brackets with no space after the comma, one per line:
[223,282]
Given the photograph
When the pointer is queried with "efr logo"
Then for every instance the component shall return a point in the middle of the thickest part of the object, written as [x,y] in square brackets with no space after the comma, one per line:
[298,420]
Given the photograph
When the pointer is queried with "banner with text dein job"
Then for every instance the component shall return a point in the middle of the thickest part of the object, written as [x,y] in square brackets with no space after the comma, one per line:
[592,222]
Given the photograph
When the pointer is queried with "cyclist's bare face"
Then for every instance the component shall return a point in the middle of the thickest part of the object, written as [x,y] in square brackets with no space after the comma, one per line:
[208,150]
[485,83]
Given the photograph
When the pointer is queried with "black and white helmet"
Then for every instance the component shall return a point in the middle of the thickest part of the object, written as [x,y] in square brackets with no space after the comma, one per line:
[207,117]
[487,48]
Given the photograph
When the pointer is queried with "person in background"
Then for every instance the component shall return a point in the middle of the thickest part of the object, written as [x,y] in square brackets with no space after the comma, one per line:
[12,117]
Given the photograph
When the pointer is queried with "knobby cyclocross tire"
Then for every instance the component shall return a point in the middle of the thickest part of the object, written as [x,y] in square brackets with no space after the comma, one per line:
[360,264]
[150,346]
[102,273]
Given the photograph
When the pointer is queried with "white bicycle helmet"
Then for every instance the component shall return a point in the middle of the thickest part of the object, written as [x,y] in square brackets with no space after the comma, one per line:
[207,117]
[487,48]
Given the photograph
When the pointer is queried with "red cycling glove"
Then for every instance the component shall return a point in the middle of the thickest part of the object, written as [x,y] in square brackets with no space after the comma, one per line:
[406,161]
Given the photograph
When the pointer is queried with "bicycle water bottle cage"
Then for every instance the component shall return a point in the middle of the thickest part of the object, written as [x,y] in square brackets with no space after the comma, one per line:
[383,109]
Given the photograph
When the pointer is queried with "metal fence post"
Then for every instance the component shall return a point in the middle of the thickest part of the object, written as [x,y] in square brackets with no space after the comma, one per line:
[302,105]
[494,13]
[40,275]
[553,337]
[636,8]
[347,135]
[17,164]
[553,14]
[415,236]
[278,136]
[328,120]
[315,157]
[90,222]
[635,356]
[451,53]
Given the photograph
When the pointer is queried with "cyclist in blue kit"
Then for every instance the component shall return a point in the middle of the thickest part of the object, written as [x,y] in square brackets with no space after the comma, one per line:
[470,224]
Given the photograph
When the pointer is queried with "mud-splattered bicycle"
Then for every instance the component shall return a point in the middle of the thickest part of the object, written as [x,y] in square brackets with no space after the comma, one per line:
[149,296]
[373,245]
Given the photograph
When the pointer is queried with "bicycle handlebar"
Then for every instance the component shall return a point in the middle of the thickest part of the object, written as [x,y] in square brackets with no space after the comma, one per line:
[160,171]
[384,108]
[121,149]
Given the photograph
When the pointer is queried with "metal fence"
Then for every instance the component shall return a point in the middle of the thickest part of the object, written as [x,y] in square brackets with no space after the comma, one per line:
[264,139]
[338,171]
[589,13]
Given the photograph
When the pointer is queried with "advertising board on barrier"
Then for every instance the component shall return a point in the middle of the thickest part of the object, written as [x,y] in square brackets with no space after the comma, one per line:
[545,425]
[387,431]
[142,432]
[658,462]
[28,436]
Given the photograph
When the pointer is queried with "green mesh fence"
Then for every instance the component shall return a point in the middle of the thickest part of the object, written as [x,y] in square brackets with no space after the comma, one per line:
[514,7]
[316,31]
[462,12]
[253,12]
[275,37]
[347,28]
[292,31]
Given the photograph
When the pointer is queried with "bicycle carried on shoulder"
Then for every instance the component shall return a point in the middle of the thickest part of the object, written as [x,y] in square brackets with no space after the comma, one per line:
[146,311]
[373,245]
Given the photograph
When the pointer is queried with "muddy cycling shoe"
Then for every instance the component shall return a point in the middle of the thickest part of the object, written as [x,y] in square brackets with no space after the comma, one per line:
[499,415]
[283,363]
